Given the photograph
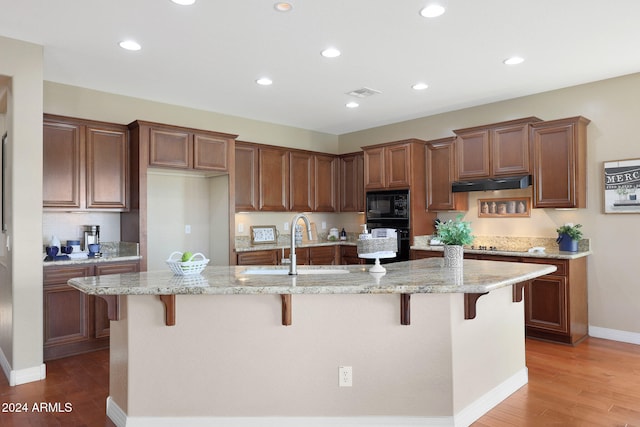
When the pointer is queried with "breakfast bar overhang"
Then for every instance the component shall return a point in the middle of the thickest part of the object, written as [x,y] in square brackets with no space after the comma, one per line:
[211,349]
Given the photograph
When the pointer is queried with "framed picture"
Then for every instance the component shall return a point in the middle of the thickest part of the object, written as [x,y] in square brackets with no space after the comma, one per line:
[261,234]
[504,208]
[622,186]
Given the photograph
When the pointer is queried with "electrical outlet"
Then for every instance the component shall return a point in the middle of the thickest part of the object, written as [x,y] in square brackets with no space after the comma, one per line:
[286,226]
[345,376]
[240,228]
[187,229]
[324,225]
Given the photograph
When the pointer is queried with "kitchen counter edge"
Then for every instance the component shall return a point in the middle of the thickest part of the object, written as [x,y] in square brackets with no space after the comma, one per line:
[544,255]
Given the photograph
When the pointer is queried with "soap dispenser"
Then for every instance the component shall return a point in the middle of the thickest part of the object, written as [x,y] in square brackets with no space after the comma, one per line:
[365,233]
[343,234]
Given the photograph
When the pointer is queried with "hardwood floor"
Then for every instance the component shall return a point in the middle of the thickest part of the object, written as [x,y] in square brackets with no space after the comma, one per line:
[596,383]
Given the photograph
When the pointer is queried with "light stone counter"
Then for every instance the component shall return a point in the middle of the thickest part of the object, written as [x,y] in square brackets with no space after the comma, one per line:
[408,277]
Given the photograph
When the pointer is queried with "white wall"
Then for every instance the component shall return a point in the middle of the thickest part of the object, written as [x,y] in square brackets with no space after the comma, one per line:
[20,283]
[613,108]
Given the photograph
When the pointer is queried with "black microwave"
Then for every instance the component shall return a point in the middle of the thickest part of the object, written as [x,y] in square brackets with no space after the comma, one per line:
[393,204]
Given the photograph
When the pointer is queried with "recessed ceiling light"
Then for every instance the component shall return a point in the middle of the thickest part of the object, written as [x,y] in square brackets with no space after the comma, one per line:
[184,2]
[514,60]
[331,52]
[264,81]
[130,45]
[352,104]
[420,86]
[283,7]
[432,11]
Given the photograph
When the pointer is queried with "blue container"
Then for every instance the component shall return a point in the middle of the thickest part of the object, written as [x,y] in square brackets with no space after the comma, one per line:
[566,243]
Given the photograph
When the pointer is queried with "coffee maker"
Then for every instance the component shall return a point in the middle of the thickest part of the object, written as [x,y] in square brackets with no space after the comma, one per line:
[91,235]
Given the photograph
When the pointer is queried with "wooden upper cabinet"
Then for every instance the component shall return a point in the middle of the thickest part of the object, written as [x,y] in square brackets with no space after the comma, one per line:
[510,150]
[85,164]
[374,168]
[107,167]
[352,182]
[440,166]
[170,148]
[499,149]
[560,161]
[397,166]
[63,163]
[185,148]
[301,181]
[274,179]
[325,183]
[473,154]
[211,152]
[246,177]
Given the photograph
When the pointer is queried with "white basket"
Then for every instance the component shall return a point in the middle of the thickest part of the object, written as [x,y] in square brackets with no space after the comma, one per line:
[187,268]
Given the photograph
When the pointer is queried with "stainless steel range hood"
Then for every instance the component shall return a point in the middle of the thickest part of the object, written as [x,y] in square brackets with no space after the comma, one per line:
[491,184]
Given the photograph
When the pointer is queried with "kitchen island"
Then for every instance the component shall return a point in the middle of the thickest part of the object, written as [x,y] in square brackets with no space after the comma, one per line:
[417,356]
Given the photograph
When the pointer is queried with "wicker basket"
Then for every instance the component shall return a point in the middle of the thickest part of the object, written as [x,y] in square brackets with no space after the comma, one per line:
[193,266]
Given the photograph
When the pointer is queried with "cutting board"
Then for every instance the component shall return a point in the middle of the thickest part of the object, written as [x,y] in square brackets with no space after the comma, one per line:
[314,234]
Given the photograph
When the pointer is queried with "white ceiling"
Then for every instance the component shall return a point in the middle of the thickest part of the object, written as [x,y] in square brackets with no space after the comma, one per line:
[208,56]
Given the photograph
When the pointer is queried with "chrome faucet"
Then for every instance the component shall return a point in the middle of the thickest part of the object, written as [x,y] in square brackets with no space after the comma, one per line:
[292,253]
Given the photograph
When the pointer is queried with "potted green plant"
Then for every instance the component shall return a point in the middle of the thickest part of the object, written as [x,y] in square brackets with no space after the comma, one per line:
[568,237]
[454,234]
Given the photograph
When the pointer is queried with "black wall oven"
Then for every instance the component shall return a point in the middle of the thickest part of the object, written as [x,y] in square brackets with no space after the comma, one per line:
[390,209]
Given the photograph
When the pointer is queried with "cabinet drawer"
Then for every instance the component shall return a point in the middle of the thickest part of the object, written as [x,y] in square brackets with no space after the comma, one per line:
[60,275]
[268,257]
[561,265]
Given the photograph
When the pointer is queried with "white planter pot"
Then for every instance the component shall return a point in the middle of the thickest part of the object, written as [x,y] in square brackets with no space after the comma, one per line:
[453,256]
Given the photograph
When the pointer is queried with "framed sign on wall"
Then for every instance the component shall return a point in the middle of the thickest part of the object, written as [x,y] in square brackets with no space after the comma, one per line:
[622,186]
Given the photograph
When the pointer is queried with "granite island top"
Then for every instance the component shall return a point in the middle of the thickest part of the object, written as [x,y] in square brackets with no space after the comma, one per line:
[407,277]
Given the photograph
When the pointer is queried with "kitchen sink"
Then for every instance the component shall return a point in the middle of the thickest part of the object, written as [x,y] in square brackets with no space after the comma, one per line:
[301,271]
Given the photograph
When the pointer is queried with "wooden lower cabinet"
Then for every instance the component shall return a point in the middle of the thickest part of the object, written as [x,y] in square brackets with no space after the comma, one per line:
[266,257]
[420,254]
[74,322]
[349,255]
[556,304]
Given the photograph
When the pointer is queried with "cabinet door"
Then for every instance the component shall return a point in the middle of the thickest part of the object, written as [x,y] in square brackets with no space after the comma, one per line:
[210,153]
[546,304]
[302,255]
[107,167]
[274,179]
[510,150]
[101,316]
[170,148]
[374,169]
[66,313]
[559,161]
[267,257]
[440,165]
[322,255]
[246,173]
[326,183]
[397,166]
[352,183]
[473,154]
[301,181]
[63,159]
[349,255]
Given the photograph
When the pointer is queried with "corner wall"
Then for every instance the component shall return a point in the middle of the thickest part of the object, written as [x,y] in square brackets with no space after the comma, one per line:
[21,284]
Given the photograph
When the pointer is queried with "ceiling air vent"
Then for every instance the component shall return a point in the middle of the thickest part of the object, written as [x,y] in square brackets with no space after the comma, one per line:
[363,92]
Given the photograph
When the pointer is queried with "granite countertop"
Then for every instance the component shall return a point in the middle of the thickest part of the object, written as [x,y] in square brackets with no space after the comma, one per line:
[514,253]
[111,252]
[244,245]
[512,246]
[407,277]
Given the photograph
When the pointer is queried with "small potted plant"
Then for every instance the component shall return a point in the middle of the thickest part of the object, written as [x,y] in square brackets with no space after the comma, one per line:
[568,237]
[454,234]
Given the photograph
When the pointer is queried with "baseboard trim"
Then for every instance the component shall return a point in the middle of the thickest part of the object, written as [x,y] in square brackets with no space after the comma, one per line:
[21,376]
[489,400]
[614,335]
[467,416]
